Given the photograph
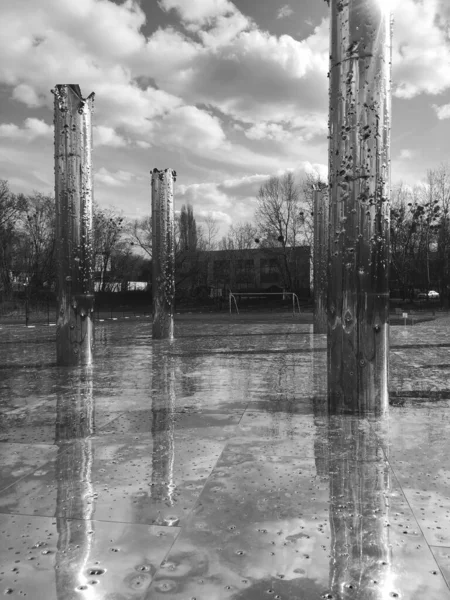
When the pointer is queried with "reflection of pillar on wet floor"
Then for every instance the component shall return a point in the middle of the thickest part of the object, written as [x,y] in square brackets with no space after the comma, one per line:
[75,490]
[163,253]
[163,414]
[73,195]
[321,233]
[359,181]
[319,393]
[360,553]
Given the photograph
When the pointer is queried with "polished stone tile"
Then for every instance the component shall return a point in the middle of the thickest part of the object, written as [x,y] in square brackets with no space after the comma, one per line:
[220,426]
[131,479]
[19,460]
[416,444]
[442,556]
[53,421]
[58,559]
[274,527]
[280,433]
[281,502]
[16,404]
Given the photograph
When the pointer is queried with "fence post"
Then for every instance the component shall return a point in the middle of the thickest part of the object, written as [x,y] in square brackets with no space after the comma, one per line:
[359,182]
[163,253]
[73,194]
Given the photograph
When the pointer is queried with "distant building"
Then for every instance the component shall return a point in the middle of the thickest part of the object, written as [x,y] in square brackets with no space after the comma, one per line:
[259,269]
[117,286]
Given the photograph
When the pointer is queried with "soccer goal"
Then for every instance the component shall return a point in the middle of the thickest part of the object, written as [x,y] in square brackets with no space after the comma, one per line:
[232,299]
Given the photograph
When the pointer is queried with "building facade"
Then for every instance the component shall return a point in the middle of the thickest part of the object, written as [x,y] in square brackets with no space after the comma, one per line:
[260,269]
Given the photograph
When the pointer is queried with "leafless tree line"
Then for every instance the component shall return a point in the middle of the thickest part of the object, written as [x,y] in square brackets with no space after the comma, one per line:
[123,247]
[420,235]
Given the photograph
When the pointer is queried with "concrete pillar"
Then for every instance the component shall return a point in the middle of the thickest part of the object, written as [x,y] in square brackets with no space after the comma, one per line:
[163,253]
[359,182]
[73,194]
[361,564]
[75,503]
[320,260]
[162,430]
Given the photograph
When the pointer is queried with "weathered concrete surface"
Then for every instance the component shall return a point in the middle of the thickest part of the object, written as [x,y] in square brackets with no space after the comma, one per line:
[205,467]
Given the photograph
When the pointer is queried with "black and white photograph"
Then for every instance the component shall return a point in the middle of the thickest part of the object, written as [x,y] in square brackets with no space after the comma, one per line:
[225,299]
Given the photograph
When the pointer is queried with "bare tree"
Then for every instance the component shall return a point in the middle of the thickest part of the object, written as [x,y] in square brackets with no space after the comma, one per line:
[441,180]
[140,234]
[38,241]
[403,237]
[241,236]
[416,219]
[280,220]
[211,229]
[11,208]
[187,229]
[128,266]
[11,205]
[108,228]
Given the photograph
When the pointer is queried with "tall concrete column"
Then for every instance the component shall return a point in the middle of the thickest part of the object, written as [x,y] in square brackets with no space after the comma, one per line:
[73,194]
[320,259]
[162,429]
[359,182]
[163,253]
[361,564]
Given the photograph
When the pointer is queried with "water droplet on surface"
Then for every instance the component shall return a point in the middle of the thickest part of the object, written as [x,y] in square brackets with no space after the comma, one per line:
[96,571]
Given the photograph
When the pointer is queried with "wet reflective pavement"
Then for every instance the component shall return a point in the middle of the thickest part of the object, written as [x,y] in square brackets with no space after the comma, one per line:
[207,468]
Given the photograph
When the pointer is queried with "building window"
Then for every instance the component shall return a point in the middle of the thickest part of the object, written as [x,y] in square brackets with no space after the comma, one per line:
[269,270]
[221,271]
[245,273]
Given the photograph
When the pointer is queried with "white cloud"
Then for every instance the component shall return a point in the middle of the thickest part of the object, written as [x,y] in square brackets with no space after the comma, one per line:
[238,194]
[117,179]
[230,78]
[405,154]
[225,30]
[199,10]
[147,90]
[223,95]
[443,111]
[316,169]
[244,181]
[169,57]
[32,129]
[300,129]
[205,197]
[106,136]
[421,48]
[220,216]
[54,33]
[271,131]
[284,11]
[26,94]
[189,127]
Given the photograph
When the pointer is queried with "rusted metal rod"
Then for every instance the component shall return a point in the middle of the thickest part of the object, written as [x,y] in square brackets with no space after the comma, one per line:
[359,182]
[73,194]
[320,258]
[163,253]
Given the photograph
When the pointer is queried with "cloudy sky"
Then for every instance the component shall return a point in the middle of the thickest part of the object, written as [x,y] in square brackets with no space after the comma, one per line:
[225,92]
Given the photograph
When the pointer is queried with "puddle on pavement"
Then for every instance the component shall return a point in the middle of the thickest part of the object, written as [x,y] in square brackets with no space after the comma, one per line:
[207,467]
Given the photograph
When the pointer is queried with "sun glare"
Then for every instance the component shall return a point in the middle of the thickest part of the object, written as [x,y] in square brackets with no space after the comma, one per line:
[387,5]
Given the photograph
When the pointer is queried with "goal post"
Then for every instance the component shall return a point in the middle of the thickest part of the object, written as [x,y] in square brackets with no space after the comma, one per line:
[232,299]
